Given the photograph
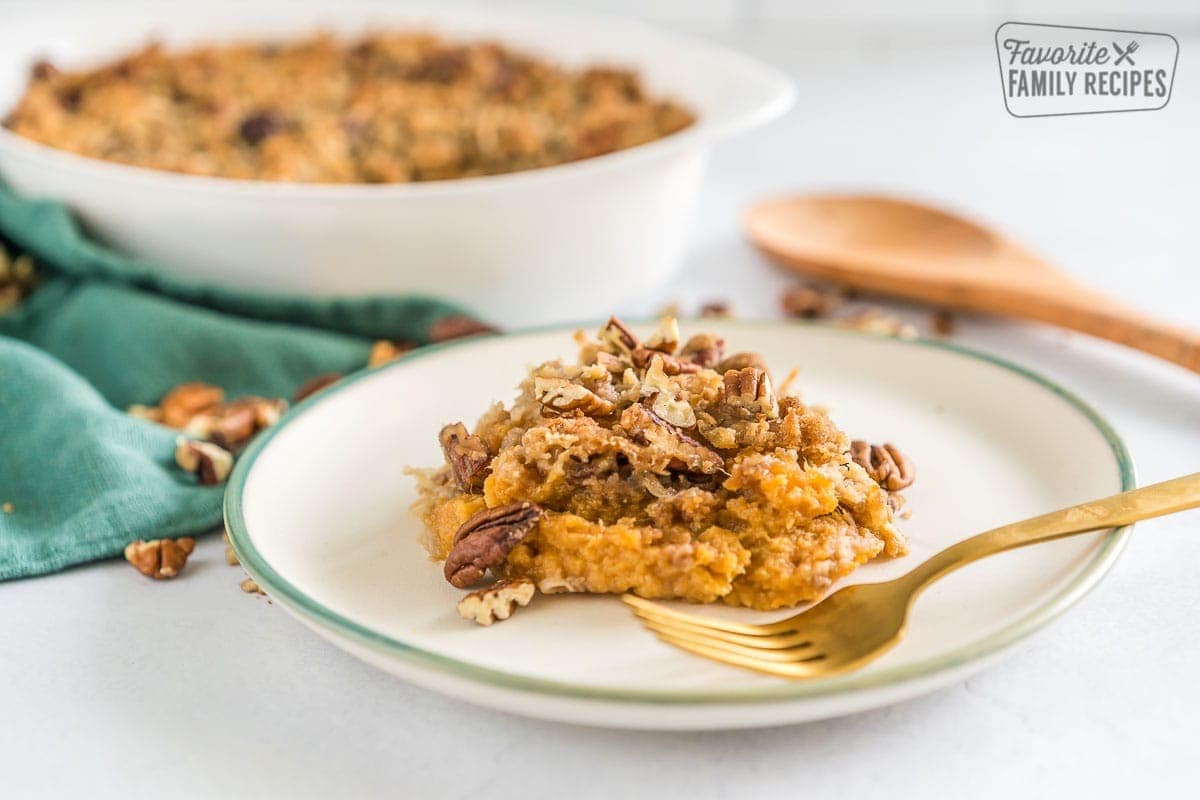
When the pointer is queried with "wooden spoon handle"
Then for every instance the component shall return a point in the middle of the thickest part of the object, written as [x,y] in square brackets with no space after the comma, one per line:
[1099,316]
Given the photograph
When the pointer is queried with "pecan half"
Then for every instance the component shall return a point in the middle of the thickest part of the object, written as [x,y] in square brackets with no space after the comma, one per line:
[160,558]
[560,394]
[886,465]
[497,601]
[485,540]
[703,349]
[751,388]
[467,456]
[617,335]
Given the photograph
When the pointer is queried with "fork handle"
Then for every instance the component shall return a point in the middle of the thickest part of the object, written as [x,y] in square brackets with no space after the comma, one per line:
[1111,512]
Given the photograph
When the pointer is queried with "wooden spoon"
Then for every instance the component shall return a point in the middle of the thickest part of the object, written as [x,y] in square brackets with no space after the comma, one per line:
[900,248]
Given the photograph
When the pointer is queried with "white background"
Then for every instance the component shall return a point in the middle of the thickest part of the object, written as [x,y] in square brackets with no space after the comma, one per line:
[115,686]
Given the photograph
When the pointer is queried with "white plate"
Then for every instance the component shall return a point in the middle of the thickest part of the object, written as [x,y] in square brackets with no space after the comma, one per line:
[317,511]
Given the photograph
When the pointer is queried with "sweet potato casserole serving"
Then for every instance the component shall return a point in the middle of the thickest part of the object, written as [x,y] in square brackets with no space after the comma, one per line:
[664,467]
[386,108]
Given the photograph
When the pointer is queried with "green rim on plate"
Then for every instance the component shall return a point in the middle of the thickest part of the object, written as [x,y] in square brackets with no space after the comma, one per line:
[284,592]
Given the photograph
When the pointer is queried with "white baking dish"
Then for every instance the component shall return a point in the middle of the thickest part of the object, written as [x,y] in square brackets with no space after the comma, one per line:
[548,245]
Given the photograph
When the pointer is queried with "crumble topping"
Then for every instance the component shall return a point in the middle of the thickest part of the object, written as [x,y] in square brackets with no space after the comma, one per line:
[700,482]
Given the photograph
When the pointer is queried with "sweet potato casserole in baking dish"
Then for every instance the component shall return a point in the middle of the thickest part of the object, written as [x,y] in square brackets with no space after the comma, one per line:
[390,107]
[664,467]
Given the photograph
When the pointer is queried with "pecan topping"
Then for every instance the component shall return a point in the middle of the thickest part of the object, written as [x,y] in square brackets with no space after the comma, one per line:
[186,401]
[648,428]
[665,338]
[467,456]
[316,384]
[160,558]
[617,335]
[560,394]
[498,601]
[886,465]
[485,540]
[741,361]
[703,349]
[665,398]
[208,462]
[456,326]
[672,365]
[751,388]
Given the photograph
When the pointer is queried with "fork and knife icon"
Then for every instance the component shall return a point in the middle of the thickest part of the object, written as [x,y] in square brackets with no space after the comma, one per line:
[1126,54]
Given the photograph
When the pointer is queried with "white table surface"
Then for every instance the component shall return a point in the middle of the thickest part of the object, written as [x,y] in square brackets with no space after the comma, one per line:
[115,686]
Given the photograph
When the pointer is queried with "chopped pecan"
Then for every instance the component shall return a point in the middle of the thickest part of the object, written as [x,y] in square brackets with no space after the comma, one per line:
[208,462]
[886,465]
[741,361]
[497,601]
[647,428]
[456,326]
[160,558]
[18,279]
[614,364]
[751,388]
[467,456]
[665,338]
[665,398]
[703,349]
[942,322]
[485,540]
[231,425]
[616,334]
[876,320]
[672,365]
[187,400]
[560,394]
[316,384]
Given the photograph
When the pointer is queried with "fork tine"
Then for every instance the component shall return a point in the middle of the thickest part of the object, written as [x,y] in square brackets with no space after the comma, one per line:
[809,669]
[766,642]
[781,654]
[655,611]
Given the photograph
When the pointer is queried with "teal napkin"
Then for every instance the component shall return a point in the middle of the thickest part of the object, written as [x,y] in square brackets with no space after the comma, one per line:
[79,478]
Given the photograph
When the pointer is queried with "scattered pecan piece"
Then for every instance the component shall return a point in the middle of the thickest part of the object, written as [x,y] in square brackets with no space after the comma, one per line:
[703,349]
[231,557]
[716,309]
[316,384]
[886,465]
[186,401]
[384,351]
[498,601]
[665,338]
[7,507]
[876,320]
[18,279]
[231,425]
[740,361]
[249,586]
[485,540]
[560,394]
[618,336]
[456,326]
[751,387]
[467,456]
[160,558]
[208,462]
[809,302]
[942,322]
[672,365]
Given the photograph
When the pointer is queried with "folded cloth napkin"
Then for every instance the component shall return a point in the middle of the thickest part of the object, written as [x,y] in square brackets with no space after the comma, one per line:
[80,478]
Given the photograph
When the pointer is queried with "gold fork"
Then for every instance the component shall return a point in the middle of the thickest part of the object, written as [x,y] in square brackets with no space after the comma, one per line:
[859,623]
